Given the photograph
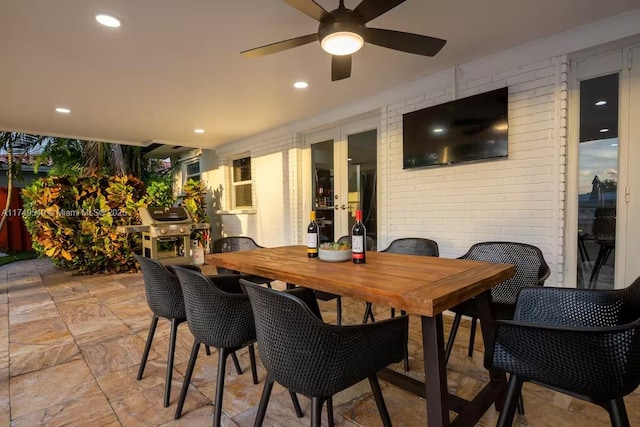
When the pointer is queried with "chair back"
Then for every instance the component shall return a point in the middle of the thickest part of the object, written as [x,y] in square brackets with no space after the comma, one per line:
[215,318]
[310,357]
[583,341]
[162,289]
[630,311]
[610,353]
[413,246]
[232,244]
[531,268]
[370,244]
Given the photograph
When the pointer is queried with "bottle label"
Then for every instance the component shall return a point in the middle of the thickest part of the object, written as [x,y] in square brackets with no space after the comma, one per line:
[357,246]
[312,242]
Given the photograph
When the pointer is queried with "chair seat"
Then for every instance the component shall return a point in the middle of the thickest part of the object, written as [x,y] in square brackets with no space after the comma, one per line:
[255,279]
[325,296]
[469,308]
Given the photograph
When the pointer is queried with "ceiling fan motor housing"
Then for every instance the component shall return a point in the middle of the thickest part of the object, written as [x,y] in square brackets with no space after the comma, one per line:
[340,20]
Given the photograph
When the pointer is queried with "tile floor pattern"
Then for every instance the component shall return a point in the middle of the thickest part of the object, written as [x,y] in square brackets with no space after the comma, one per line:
[70,347]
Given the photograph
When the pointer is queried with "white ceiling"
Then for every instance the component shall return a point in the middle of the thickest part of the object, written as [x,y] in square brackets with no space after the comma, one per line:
[175,65]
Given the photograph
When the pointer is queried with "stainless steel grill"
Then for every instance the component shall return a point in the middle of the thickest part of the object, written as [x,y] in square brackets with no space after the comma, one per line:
[165,233]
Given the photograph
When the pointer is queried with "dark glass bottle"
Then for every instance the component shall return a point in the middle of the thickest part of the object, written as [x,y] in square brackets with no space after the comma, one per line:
[312,237]
[358,240]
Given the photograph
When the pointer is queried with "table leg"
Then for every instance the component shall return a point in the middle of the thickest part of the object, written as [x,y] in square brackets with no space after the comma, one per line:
[435,371]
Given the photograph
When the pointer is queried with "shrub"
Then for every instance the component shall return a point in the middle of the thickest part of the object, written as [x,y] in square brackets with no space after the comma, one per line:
[73,221]
[159,192]
[193,201]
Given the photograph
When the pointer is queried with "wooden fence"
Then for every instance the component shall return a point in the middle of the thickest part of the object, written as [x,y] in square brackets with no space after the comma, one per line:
[14,236]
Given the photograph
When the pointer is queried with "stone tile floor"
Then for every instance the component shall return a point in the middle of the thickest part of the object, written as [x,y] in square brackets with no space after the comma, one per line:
[70,347]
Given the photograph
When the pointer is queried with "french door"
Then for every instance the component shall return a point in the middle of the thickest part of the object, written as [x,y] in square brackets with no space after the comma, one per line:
[340,170]
[604,184]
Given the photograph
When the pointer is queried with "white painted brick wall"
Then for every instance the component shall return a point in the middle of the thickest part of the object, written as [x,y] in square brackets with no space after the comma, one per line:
[511,199]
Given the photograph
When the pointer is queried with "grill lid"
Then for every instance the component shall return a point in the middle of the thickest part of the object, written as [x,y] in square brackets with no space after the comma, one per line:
[165,215]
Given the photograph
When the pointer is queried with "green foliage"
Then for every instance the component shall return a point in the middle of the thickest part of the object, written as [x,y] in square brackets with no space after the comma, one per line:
[65,155]
[73,221]
[193,200]
[159,192]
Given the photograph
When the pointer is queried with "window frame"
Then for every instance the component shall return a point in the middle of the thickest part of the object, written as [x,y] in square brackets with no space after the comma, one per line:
[194,176]
[236,184]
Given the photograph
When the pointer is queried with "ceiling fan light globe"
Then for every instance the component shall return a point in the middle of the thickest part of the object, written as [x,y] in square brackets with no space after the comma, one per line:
[342,43]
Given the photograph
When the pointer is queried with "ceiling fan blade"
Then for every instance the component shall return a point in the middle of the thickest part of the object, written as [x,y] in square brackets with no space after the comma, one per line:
[279,46]
[340,67]
[406,42]
[309,7]
[371,9]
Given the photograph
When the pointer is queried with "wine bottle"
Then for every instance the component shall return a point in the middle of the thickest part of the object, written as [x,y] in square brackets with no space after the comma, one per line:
[358,240]
[312,237]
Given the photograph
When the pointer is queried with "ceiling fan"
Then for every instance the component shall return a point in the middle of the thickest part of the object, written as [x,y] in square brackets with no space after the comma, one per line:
[343,32]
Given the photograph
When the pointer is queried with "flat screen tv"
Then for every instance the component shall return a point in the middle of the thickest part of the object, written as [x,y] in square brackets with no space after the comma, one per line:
[465,130]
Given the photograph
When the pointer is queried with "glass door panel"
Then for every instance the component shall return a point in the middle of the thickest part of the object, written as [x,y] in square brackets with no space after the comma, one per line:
[322,155]
[631,180]
[342,170]
[362,176]
[598,181]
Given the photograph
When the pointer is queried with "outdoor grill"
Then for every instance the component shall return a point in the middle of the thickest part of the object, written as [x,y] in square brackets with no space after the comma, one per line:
[165,233]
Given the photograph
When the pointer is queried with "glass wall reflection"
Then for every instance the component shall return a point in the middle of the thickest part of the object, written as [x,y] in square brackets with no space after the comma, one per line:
[598,182]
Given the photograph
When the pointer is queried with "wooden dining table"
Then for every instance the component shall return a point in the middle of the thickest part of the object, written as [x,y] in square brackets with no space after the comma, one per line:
[424,286]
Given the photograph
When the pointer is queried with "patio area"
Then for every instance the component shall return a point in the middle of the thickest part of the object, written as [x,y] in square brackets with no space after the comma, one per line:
[70,347]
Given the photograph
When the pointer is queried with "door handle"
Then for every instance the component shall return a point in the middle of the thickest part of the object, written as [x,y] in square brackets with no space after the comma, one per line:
[336,207]
[343,207]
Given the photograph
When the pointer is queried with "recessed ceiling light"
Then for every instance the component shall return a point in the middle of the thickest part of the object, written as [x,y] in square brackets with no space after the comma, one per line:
[615,144]
[198,130]
[301,85]
[438,130]
[63,110]
[601,103]
[108,20]
[603,130]
[501,126]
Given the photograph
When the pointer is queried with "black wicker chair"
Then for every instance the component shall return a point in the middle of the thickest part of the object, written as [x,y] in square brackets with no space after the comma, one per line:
[219,315]
[328,296]
[582,342]
[164,297]
[531,270]
[407,246]
[315,359]
[238,244]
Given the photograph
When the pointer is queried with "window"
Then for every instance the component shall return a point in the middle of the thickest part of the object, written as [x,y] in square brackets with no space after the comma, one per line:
[241,183]
[193,171]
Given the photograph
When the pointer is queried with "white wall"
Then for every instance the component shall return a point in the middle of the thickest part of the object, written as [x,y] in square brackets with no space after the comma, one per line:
[517,199]
[275,164]
[514,199]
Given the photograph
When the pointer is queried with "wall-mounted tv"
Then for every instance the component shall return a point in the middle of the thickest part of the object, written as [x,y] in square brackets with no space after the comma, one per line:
[465,130]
